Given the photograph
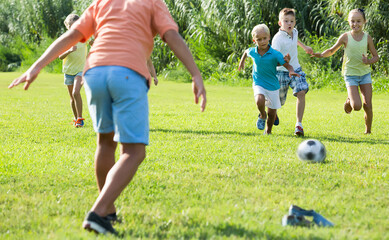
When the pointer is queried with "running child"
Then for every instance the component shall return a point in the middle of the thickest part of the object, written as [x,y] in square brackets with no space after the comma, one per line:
[286,41]
[72,67]
[116,84]
[265,83]
[356,65]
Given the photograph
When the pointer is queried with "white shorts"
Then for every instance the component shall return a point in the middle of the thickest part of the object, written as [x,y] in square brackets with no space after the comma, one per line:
[272,97]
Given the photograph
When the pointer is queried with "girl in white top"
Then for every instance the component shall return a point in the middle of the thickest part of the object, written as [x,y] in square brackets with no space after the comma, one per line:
[356,65]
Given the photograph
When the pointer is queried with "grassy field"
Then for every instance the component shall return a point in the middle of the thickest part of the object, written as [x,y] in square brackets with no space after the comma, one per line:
[209,175]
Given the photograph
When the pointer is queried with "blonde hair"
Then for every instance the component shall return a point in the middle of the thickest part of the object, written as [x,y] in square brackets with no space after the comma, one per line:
[70,19]
[358,10]
[258,28]
[286,11]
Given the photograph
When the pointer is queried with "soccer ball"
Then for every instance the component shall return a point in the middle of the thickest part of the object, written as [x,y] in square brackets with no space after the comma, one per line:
[312,151]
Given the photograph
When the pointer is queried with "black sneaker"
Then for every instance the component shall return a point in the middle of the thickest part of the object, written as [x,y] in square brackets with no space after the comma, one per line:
[317,218]
[94,222]
[113,218]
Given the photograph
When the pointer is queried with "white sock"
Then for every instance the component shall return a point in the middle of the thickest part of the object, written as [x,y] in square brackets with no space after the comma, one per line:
[299,124]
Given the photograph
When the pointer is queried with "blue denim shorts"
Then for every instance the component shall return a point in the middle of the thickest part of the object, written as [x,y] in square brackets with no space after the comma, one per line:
[117,101]
[296,83]
[69,79]
[357,80]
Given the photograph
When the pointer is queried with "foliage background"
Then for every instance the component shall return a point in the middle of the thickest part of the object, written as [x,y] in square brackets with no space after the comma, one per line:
[216,31]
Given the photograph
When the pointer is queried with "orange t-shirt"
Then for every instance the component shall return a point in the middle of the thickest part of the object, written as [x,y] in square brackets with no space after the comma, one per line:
[124,32]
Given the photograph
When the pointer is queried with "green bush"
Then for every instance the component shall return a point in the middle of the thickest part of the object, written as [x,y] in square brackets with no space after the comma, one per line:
[217,33]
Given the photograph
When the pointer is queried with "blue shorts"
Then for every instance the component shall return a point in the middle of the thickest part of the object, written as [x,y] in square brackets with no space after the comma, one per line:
[357,80]
[69,79]
[298,84]
[117,101]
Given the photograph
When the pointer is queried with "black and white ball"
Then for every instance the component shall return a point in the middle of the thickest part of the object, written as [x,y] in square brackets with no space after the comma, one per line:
[311,150]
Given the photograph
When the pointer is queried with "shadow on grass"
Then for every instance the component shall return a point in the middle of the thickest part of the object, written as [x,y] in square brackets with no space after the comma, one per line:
[210,231]
[252,134]
[229,230]
[203,132]
[341,139]
[223,230]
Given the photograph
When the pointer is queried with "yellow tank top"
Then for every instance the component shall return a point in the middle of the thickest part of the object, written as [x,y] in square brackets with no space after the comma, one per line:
[352,59]
[75,61]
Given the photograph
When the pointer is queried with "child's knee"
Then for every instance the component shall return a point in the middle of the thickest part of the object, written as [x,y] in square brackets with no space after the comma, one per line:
[356,106]
[367,106]
[260,100]
[76,94]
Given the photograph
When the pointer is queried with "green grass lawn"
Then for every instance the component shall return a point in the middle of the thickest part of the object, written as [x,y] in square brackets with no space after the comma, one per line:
[209,175]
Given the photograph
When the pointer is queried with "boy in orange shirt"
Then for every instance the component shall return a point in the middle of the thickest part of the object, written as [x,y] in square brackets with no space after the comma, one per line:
[116,84]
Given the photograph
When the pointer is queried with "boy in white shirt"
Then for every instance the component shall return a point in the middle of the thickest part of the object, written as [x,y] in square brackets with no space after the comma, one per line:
[286,42]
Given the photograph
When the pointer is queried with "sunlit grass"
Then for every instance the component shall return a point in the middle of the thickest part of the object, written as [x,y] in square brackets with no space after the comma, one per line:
[206,175]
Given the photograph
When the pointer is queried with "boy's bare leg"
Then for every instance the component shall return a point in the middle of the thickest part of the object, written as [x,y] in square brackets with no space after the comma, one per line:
[72,102]
[271,116]
[104,160]
[260,101]
[119,176]
[367,92]
[300,106]
[77,96]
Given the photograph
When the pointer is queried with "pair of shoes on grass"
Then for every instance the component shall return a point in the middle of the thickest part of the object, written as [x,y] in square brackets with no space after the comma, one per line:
[262,122]
[296,217]
[299,131]
[94,222]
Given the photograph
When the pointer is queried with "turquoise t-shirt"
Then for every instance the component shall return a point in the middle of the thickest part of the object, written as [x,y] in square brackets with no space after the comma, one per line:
[265,67]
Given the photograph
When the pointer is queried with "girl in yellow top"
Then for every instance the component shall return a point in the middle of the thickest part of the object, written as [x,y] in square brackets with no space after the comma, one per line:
[356,65]
[73,65]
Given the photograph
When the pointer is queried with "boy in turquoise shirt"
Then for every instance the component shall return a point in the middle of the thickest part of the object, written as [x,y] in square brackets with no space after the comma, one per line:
[265,83]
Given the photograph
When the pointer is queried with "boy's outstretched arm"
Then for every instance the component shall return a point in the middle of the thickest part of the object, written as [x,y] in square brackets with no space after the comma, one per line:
[63,43]
[242,61]
[286,58]
[306,48]
[331,51]
[291,70]
[177,44]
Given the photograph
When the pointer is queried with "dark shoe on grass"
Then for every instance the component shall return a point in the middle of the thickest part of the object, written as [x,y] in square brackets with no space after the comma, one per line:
[113,218]
[293,220]
[317,218]
[94,222]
